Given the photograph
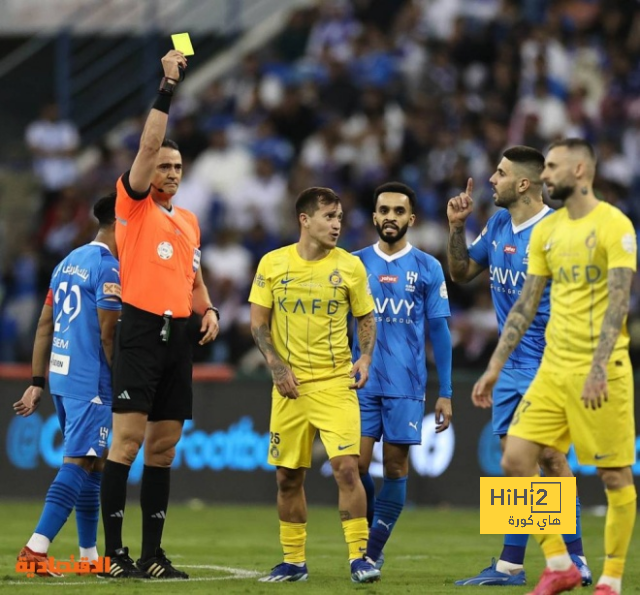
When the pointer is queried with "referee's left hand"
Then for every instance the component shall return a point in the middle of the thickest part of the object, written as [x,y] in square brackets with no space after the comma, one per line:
[443,414]
[209,327]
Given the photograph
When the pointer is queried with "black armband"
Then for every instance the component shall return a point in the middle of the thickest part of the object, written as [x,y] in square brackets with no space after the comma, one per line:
[162,103]
[38,381]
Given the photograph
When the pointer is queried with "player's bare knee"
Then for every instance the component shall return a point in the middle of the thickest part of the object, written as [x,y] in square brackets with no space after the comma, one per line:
[396,468]
[554,463]
[615,478]
[289,480]
[345,470]
[512,466]
[160,455]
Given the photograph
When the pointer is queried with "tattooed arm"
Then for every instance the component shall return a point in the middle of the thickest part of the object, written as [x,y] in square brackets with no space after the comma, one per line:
[619,289]
[461,268]
[367,340]
[283,377]
[518,321]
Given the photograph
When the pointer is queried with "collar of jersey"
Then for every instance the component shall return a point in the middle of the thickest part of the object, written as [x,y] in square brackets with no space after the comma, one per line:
[392,257]
[530,222]
[94,243]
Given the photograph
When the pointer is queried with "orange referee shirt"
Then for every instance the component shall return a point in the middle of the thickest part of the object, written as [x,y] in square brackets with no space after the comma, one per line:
[158,252]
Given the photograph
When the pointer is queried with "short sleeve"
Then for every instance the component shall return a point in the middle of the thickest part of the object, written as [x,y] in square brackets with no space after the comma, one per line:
[261,293]
[436,296]
[359,291]
[479,249]
[108,290]
[537,256]
[621,245]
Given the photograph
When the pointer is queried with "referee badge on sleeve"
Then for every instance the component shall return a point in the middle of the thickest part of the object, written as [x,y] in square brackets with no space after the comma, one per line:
[196,259]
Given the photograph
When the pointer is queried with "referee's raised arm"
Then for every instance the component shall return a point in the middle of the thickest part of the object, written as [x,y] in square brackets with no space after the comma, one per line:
[156,125]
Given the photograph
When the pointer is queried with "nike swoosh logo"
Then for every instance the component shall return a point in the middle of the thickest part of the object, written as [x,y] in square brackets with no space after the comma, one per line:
[285,281]
[598,457]
[340,447]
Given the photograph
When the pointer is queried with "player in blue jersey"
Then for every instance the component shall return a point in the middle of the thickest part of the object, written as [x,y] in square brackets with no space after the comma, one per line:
[410,294]
[503,248]
[76,328]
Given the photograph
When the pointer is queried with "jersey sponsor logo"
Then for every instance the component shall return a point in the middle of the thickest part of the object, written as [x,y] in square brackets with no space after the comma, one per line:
[59,364]
[335,278]
[506,277]
[313,306]
[388,278]
[165,250]
[589,274]
[60,343]
[509,249]
[112,289]
[394,307]
[412,279]
[629,243]
[259,280]
[444,294]
[196,258]
[72,270]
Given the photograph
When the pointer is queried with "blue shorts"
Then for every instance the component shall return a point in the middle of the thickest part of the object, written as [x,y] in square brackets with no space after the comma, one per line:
[510,388]
[397,419]
[85,426]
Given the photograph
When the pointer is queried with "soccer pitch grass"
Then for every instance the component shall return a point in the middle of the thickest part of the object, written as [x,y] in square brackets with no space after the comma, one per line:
[225,548]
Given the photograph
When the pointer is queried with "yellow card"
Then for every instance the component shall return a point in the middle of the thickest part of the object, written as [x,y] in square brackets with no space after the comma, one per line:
[182,43]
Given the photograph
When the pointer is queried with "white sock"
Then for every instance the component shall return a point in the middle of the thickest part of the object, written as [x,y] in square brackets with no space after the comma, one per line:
[562,562]
[614,583]
[91,553]
[508,567]
[298,564]
[39,543]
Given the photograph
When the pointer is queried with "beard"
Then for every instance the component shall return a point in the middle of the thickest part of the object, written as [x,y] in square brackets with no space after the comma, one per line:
[391,239]
[506,198]
[562,192]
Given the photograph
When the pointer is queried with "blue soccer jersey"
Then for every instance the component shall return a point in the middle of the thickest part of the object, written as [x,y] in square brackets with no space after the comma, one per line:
[408,288]
[87,279]
[504,249]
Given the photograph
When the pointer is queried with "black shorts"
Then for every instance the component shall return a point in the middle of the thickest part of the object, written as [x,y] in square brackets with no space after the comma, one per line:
[150,375]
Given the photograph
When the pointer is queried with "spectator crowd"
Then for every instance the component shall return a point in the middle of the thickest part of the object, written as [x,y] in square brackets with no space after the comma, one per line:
[349,95]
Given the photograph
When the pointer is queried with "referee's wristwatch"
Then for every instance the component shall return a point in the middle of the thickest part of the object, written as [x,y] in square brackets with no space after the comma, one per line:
[214,310]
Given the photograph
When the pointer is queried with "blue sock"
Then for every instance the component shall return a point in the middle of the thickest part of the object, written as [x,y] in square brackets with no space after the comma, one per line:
[389,505]
[370,491]
[60,500]
[574,542]
[88,510]
[515,545]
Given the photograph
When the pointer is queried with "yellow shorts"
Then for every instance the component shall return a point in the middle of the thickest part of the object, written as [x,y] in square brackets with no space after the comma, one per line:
[552,413]
[334,413]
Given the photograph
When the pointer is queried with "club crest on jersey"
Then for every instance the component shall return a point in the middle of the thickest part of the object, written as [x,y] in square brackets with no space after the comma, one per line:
[509,249]
[412,279]
[165,250]
[335,278]
[525,260]
[388,278]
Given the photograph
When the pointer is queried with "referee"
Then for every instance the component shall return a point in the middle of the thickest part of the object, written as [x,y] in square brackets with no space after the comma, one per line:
[158,246]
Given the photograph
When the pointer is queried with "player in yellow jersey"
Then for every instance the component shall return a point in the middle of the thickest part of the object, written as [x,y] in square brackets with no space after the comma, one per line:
[583,392]
[300,299]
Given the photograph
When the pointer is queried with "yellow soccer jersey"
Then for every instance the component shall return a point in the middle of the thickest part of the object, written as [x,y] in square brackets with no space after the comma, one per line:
[577,254]
[310,301]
